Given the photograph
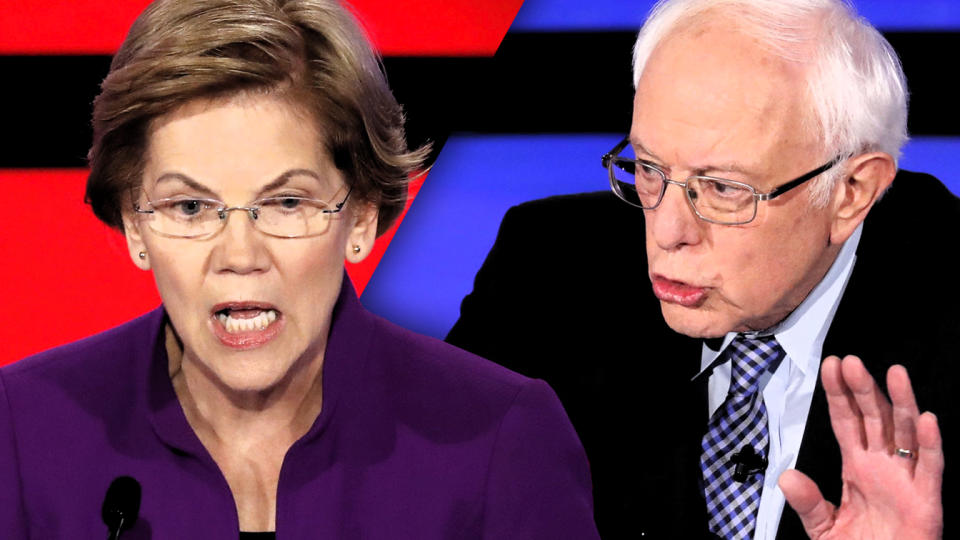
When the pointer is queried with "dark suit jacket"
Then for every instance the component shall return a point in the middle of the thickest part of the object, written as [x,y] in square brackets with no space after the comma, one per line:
[564,296]
[416,439]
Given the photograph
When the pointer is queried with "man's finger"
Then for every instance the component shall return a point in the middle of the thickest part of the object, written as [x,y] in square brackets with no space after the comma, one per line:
[905,412]
[815,512]
[928,475]
[844,413]
[875,409]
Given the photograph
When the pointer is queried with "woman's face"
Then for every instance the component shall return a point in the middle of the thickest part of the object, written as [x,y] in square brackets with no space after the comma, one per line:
[246,306]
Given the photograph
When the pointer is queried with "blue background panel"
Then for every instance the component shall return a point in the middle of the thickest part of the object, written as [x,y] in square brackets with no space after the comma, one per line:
[452,224]
[600,15]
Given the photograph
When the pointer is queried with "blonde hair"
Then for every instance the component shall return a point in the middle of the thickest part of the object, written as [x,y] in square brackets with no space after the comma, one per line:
[310,51]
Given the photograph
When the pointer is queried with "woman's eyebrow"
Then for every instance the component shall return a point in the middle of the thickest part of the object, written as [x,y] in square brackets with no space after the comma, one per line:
[285,177]
[190,182]
[197,186]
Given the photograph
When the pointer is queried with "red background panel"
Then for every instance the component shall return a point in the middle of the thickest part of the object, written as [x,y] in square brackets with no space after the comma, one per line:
[65,275]
[423,27]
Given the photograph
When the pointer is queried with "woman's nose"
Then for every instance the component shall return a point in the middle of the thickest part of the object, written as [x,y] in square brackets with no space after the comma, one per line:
[240,247]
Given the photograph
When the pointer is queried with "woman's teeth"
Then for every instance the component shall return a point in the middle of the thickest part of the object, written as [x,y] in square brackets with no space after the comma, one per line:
[234,325]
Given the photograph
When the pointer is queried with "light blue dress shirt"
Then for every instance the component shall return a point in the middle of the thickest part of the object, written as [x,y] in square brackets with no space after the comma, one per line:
[788,391]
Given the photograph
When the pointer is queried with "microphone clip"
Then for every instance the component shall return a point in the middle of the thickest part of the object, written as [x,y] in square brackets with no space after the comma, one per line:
[747,462]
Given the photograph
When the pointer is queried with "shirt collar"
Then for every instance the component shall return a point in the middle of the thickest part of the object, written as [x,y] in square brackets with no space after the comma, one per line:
[811,318]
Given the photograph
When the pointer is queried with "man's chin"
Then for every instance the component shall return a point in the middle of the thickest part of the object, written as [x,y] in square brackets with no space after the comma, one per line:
[695,322]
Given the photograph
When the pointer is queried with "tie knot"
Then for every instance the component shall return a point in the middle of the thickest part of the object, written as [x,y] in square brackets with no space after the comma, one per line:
[750,358]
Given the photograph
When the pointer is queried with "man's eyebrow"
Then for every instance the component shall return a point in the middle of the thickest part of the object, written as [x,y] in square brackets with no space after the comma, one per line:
[723,168]
[640,148]
[728,167]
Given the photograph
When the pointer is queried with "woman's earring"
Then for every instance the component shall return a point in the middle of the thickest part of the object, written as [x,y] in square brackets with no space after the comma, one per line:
[143,255]
[356,248]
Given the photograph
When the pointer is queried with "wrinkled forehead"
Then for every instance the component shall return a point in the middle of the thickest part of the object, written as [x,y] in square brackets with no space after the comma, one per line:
[716,84]
[242,143]
[732,50]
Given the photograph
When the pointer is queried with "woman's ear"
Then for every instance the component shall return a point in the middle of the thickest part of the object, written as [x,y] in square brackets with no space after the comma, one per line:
[135,244]
[362,233]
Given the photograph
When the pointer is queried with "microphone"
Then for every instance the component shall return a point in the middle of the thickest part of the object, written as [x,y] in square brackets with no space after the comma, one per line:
[121,505]
[747,462]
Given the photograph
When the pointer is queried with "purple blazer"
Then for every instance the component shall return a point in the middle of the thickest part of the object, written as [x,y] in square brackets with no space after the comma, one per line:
[417,439]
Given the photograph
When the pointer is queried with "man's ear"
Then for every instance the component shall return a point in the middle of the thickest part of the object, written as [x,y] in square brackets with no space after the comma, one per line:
[867,177]
[362,233]
[135,244]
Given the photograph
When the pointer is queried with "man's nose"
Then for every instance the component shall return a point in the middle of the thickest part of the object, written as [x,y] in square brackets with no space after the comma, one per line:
[673,223]
[240,247]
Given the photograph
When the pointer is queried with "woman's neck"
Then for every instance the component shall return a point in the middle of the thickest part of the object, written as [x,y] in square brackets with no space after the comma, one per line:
[247,433]
[280,414]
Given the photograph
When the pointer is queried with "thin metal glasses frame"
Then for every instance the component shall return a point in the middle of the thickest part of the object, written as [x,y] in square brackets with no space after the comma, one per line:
[253,211]
[610,158]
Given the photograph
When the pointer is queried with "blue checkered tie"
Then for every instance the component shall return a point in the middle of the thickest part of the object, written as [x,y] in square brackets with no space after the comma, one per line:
[740,422]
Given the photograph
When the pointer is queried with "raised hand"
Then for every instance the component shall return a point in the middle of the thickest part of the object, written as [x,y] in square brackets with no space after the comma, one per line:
[892,461]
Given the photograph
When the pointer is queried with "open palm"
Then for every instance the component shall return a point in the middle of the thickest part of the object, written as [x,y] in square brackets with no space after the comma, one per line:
[886,494]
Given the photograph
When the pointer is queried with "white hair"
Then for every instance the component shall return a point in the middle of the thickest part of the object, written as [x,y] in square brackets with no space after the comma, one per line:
[855,82]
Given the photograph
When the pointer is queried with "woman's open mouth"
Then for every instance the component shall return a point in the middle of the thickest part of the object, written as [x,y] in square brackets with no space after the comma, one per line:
[236,321]
[246,325]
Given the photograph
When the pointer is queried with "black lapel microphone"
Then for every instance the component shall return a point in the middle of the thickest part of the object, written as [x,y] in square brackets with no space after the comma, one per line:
[121,505]
[747,462]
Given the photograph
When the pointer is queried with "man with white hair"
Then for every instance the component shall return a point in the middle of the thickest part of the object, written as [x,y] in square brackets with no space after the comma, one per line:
[764,134]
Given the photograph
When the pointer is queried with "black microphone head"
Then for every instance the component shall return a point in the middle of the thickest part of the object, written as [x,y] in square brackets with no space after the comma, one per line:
[121,505]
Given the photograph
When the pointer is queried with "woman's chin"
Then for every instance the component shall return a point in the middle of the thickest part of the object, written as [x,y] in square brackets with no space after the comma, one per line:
[248,378]
[243,371]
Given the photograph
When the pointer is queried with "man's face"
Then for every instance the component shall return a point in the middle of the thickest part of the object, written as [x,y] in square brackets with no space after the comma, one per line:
[712,102]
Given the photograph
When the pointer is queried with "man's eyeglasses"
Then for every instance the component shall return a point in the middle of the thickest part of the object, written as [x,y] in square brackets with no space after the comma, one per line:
[716,200]
[284,217]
